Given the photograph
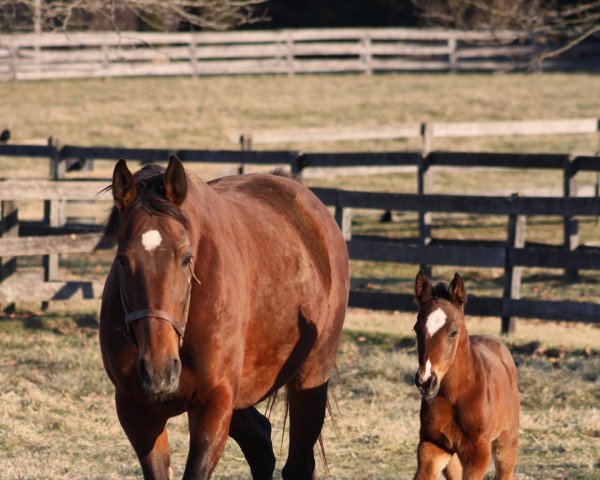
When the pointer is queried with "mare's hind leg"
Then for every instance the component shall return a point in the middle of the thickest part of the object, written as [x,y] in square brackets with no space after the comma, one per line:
[252,432]
[307,413]
[504,451]
[148,437]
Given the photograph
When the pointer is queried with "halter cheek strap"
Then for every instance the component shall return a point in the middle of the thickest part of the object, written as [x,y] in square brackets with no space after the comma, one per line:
[131,317]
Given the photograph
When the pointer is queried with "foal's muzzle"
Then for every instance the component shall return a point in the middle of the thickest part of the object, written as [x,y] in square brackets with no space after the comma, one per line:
[429,387]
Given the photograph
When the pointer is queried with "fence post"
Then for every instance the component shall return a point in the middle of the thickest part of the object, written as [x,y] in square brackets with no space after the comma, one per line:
[193,62]
[13,50]
[296,167]
[366,53]
[245,146]
[343,217]
[53,212]
[597,154]
[452,60]
[570,234]
[289,47]
[512,274]
[105,60]
[424,179]
[9,227]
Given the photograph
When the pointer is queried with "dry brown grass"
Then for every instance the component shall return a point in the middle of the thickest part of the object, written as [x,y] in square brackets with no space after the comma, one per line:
[58,418]
[56,414]
[198,113]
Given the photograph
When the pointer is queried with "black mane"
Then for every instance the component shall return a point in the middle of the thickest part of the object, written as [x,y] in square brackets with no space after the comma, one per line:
[441,291]
[150,198]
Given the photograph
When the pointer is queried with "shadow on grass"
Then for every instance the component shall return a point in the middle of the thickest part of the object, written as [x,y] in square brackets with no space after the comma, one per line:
[60,325]
[384,341]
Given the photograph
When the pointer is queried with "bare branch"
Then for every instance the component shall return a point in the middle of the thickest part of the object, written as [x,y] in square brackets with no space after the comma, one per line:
[18,15]
[551,27]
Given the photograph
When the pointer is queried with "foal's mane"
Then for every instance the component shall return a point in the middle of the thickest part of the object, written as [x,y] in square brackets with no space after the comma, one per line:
[441,291]
[151,198]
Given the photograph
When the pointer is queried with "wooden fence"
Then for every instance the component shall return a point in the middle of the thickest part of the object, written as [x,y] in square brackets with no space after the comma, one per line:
[289,52]
[423,250]
[426,132]
[510,255]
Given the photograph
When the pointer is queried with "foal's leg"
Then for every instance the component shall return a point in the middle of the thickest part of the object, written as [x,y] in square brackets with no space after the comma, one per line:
[307,414]
[475,461]
[252,431]
[504,451]
[453,470]
[148,436]
[209,426]
[431,460]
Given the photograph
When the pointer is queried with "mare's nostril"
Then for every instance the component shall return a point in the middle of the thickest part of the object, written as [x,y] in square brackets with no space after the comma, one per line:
[175,369]
[143,372]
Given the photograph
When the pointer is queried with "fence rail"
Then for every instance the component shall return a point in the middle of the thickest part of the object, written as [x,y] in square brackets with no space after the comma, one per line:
[511,255]
[364,50]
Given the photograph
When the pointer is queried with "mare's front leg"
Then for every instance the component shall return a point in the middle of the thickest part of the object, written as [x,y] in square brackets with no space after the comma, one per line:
[209,428]
[147,434]
[431,460]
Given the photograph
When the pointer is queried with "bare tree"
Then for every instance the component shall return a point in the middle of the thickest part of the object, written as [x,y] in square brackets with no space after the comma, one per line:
[43,15]
[552,26]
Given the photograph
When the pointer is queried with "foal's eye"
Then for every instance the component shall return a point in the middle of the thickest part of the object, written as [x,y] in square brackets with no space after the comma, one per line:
[453,334]
[187,259]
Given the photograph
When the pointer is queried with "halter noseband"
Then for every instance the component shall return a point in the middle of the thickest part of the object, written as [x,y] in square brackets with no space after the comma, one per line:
[131,317]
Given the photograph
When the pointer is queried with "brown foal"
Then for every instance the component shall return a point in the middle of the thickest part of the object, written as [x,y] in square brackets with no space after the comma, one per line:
[468,384]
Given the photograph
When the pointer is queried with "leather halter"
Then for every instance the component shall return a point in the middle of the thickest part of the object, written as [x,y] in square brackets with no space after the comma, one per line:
[132,316]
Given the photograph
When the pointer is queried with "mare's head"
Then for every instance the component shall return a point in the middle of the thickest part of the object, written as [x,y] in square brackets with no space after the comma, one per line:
[154,269]
[440,328]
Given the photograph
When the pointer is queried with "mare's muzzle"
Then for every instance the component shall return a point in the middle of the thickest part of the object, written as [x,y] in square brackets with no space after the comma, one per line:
[160,382]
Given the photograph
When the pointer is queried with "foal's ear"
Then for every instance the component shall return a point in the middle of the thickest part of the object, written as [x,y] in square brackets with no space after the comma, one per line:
[175,181]
[423,289]
[124,188]
[457,292]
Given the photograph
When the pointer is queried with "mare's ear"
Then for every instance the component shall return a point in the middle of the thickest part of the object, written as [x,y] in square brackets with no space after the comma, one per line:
[124,188]
[423,289]
[175,181]
[457,292]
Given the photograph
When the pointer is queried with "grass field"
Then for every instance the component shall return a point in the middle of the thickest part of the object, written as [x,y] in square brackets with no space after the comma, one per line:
[57,418]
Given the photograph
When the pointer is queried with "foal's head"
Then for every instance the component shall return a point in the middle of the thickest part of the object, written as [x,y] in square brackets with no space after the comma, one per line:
[153,265]
[440,327]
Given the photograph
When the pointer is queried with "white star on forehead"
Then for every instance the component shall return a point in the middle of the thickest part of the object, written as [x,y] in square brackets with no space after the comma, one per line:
[151,239]
[435,321]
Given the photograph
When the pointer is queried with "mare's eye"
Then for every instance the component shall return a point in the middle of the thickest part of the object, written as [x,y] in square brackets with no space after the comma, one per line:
[453,334]
[187,259]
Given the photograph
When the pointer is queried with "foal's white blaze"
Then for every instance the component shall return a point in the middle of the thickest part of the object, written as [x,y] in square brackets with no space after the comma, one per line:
[151,239]
[435,321]
[427,371]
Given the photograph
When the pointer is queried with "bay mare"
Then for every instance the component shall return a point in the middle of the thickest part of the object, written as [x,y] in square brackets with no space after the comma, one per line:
[470,400]
[220,294]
